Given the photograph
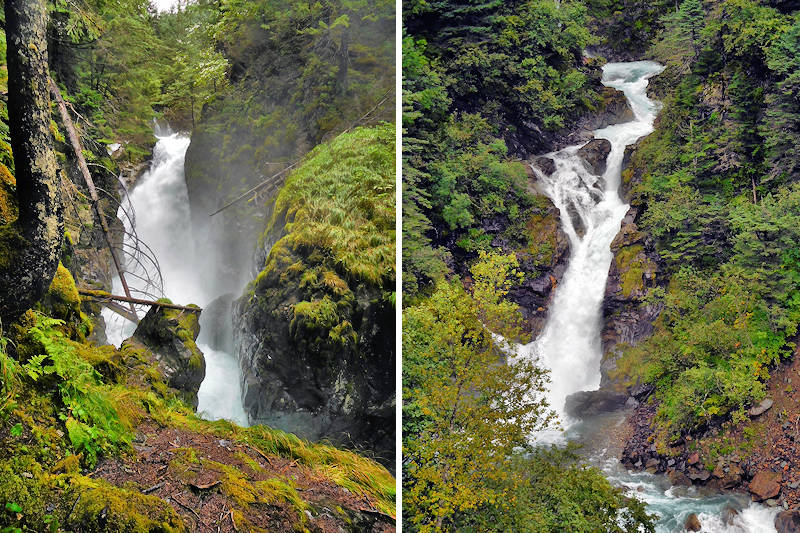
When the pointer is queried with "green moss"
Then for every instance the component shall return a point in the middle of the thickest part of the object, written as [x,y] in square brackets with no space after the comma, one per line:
[8,196]
[101,507]
[62,301]
[631,263]
[11,242]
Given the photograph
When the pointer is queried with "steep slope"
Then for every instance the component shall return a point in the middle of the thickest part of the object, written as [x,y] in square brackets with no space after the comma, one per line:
[315,331]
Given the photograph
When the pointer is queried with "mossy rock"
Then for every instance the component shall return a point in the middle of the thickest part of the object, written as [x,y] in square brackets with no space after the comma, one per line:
[102,508]
[62,301]
[170,335]
[633,265]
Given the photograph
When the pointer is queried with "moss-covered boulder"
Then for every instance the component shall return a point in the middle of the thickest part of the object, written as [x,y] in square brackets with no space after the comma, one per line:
[315,331]
[170,335]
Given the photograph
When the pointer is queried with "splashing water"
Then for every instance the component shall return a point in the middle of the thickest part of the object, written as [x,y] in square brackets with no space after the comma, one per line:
[591,213]
[163,221]
[570,344]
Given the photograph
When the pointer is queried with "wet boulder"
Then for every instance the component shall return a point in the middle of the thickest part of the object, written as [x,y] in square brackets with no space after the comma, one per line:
[586,404]
[692,523]
[216,323]
[545,164]
[788,521]
[170,335]
[594,154]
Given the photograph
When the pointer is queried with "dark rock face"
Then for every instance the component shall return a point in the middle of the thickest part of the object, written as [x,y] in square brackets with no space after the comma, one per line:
[614,110]
[626,320]
[545,164]
[170,334]
[302,373]
[216,322]
[594,154]
[544,270]
[586,404]
[788,521]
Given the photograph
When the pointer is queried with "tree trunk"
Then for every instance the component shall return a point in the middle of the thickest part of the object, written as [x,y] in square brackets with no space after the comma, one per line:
[31,246]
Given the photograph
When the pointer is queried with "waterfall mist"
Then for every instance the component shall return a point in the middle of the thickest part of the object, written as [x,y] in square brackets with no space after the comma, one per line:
[160,201]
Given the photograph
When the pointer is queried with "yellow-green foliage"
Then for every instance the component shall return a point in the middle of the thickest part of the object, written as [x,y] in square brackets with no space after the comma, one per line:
[63,302]
[8,199]
[341,200]
[122,510]
[631,263]
[67,402]
[542,229]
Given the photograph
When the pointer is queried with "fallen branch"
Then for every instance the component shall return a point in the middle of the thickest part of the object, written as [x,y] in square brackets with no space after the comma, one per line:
[103,295]
[76,147]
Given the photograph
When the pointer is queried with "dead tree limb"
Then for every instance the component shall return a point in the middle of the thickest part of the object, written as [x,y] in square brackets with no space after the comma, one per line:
[76,147]
[103,295]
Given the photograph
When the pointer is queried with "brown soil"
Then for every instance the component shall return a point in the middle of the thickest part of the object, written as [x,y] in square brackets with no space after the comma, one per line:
[184,469]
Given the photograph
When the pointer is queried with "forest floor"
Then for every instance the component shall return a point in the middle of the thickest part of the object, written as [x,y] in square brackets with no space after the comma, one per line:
[210,483]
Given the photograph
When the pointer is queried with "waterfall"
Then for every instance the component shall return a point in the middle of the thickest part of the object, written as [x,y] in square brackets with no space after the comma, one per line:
[160,201]
[591,213]
[570,345]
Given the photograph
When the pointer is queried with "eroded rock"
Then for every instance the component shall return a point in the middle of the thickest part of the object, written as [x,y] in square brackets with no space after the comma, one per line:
[594,154]
[545,164]
[217,323]
[586,404]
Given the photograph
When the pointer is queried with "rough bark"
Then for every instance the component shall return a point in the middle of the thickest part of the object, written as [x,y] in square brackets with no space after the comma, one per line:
[31,246]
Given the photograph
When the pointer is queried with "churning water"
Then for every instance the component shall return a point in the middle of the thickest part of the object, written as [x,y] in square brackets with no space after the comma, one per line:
[160,201]
[570,344]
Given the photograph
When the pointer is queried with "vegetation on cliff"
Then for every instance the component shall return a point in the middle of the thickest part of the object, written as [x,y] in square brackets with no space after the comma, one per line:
[468,410]
[485,84]
[719,187]
[298,74]
[482,85]
[325,295]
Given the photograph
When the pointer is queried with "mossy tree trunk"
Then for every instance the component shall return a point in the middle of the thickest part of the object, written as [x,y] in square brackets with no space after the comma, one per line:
[29,247]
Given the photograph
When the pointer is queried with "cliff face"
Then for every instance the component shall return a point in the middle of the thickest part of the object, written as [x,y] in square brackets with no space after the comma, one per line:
[315,331]
[627,317]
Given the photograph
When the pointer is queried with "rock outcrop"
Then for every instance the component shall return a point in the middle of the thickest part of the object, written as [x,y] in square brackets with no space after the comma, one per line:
[765,485]
[216,323]
[314,333]
[586,404]
[594,154]
[544,262]
[170,334]
[626,318]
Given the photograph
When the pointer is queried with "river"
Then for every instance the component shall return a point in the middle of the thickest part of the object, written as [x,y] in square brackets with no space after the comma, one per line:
[160,201]
[570,343]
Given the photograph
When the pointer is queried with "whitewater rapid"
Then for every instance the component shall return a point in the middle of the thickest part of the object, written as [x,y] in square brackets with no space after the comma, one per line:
[160,201]
[570,343]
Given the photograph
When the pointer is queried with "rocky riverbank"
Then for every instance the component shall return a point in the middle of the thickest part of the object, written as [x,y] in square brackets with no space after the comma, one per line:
[759,456]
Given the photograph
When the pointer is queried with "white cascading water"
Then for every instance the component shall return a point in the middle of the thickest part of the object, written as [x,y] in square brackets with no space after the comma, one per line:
[570,345]
[160,201]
